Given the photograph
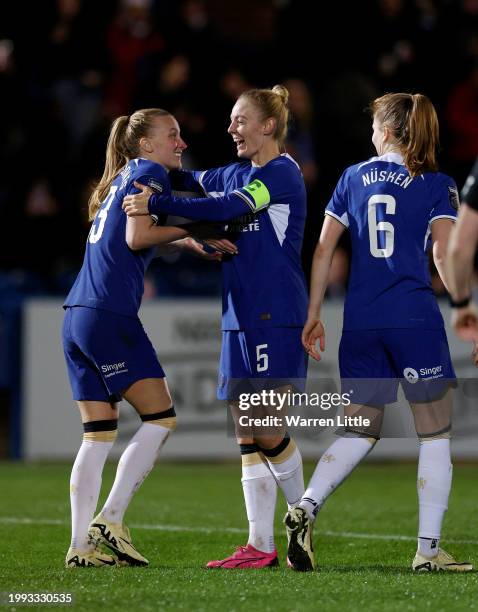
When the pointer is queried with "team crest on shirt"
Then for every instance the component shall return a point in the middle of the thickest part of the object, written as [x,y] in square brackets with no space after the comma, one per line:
[453,197]
[411,375]
[155,186]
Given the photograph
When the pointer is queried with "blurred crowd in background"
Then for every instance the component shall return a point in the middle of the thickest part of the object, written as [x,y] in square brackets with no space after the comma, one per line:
[69,67]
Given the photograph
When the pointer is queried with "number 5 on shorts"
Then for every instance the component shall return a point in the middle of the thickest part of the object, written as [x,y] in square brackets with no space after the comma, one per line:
[262,358]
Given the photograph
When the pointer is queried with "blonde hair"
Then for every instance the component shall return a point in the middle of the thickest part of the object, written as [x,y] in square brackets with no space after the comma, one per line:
[413,122]
[272,103]
[123,145]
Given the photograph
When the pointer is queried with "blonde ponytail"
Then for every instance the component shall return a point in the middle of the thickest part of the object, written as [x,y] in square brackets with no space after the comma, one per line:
[282,92]
[116,158]
[123,145]
[420,154]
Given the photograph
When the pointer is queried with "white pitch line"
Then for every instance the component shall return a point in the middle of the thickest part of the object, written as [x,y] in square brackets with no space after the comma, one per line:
[11,520]
[384,536]
[189,529]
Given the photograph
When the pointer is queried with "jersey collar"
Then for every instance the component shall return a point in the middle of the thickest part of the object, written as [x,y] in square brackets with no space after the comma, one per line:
[391,156]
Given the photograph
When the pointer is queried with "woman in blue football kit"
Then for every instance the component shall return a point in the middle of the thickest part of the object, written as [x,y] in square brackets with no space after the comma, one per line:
[392,204]
[107,351]
[262,198]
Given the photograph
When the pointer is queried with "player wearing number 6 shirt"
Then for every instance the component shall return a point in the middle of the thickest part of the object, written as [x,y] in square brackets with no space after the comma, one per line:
[393,205]
[107,351]
[262,199]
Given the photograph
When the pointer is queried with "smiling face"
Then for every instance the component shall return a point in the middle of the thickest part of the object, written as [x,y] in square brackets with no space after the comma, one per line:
[248,129]
[164,144]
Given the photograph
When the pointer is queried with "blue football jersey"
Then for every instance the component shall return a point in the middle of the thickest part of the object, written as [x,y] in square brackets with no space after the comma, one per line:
[389,215]
[264,285]
[112,275]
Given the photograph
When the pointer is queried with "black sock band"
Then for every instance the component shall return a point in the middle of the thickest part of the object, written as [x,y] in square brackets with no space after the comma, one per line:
[106,425]
[166,414]
[437,434]
[247,449]
[277,450]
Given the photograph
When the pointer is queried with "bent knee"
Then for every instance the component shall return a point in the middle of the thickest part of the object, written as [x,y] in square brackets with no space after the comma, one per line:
[100,431]
[439,435]
[269,442]
[166,418]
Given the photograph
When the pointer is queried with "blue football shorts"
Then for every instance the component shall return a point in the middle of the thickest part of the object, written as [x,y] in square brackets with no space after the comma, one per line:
[106,353]
[261,359]
[374,362]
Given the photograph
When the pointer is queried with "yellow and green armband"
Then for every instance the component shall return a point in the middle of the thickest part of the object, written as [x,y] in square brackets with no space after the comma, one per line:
[255,194]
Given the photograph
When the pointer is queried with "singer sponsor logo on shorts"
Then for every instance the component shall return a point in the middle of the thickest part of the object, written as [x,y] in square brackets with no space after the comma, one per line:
[111,369]
[413,376]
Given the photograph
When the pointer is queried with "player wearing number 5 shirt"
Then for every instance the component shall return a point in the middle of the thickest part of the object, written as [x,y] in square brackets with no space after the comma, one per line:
[262,200]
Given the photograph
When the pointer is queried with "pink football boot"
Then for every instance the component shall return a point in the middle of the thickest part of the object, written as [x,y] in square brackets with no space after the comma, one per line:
[246,557]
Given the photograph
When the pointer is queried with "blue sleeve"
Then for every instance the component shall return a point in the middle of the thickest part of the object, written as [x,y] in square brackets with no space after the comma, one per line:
[211,181]
[222,208]
[251,198]
[156,178]
[445,198]
[280,180]
[337,206]
[153,176]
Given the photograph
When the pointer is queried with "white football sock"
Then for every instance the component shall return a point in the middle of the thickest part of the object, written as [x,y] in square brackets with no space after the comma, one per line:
[287,470]
[134,465]
[260,494]
[85,485]
[334,466]
[433,485]
[428,546]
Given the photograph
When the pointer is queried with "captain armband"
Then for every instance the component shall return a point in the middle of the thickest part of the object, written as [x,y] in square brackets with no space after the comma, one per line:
[256,195]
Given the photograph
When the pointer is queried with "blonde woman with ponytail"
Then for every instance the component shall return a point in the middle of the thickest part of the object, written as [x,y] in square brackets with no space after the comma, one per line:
[262,198]
[108,354]
[396,205]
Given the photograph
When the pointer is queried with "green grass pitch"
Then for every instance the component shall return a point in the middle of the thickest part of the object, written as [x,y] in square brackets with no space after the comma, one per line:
[186,514]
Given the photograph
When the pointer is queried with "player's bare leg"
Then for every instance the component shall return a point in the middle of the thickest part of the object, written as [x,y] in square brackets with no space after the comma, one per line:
[151,399]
